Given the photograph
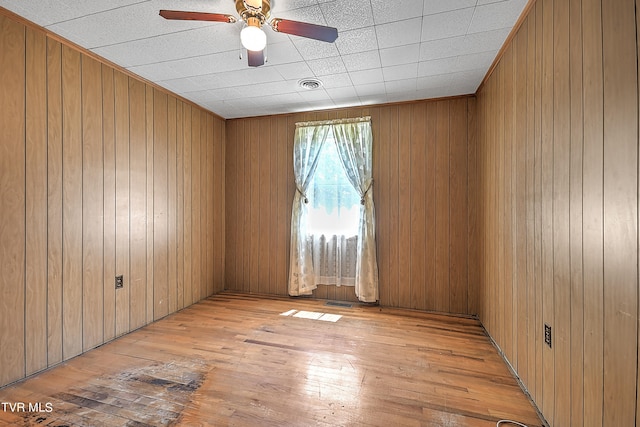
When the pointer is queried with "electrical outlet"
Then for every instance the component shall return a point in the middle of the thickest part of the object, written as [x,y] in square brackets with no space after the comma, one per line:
[547,335]
[119,282]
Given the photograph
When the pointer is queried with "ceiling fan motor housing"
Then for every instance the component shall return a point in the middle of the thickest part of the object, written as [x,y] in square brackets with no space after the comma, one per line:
[253,11]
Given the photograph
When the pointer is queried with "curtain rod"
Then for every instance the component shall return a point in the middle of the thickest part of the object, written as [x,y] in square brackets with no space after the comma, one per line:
[334,121]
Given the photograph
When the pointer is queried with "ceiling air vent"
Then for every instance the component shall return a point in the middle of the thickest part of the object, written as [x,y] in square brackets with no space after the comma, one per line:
[310,84]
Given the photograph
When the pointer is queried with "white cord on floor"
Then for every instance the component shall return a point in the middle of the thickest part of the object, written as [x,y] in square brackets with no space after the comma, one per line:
[509,422]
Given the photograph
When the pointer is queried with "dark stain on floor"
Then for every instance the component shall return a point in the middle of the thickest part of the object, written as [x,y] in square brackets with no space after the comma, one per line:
[146,396]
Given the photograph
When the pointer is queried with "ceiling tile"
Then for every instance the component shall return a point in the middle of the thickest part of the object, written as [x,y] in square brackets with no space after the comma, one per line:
[306,14]
[294,70]
[436,66]
[400,55]
[361,40]
[362,60]
[400,72]
[406,85]
[436,92]
[183,84]
[474,60]
[313,49]
[332,81]
[347,15]
[370,89]
[314,95]
[389,11]
[496,15]
[323,67]
[429,82]
[441,48]
[399,33]
[342,93]
[367,76]
[447,24]
[281,53]
[438,6]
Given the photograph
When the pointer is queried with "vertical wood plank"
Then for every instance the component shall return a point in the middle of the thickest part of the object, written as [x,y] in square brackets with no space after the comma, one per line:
[231,212]
[137,204]
[404,199]
[36,203]
[264,196]
[72,202]
[621,211]
[160,222]
[442,207]
[149,127]
[548,396]
[242,223]
[520,178]
[172,286]
[504,292]
[538,203]
[196,190]
[638,336]
[418,235]
[211,261]
[92,205]
[253,175]
[54,202]
[188,202]
[575,220]
[394,208]
[273,209]
[561,199]
[510,196]
[473,211]
[12,200]
[531,198]
[204,188]
[245,215]
[458,298]
[381,183]
[180,200]
[109,203]
[220,202]
[430,214]
[126,209]
[284,214]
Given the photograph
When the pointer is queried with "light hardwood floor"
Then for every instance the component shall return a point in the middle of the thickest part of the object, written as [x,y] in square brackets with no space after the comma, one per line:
[233,359]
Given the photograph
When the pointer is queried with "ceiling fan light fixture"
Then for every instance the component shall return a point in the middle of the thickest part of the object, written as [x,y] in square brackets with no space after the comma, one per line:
[253,38]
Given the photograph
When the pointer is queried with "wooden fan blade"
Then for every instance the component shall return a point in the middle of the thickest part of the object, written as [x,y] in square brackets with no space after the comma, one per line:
[256,59]
[304,29]
[197,16]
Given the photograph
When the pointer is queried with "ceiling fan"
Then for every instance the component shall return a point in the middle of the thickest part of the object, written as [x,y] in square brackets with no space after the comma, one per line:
[255,13]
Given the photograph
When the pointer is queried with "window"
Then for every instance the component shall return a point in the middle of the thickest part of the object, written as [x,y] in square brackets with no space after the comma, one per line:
[333,216]
[334,205]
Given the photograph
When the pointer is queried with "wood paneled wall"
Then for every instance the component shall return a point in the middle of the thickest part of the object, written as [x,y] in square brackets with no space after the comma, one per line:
[425,206]
[100,175]
[558,219]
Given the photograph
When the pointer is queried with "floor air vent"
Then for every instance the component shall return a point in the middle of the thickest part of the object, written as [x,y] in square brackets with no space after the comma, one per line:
[339,304]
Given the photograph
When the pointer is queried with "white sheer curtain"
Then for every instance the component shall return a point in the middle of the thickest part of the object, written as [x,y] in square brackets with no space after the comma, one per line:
[311,261]
[307,144]
[354,141]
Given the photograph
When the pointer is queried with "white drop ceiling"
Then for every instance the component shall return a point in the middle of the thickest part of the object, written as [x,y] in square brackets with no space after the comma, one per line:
[386,51]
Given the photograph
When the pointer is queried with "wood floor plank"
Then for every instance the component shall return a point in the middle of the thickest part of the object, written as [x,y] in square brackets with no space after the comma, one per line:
[233,359]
